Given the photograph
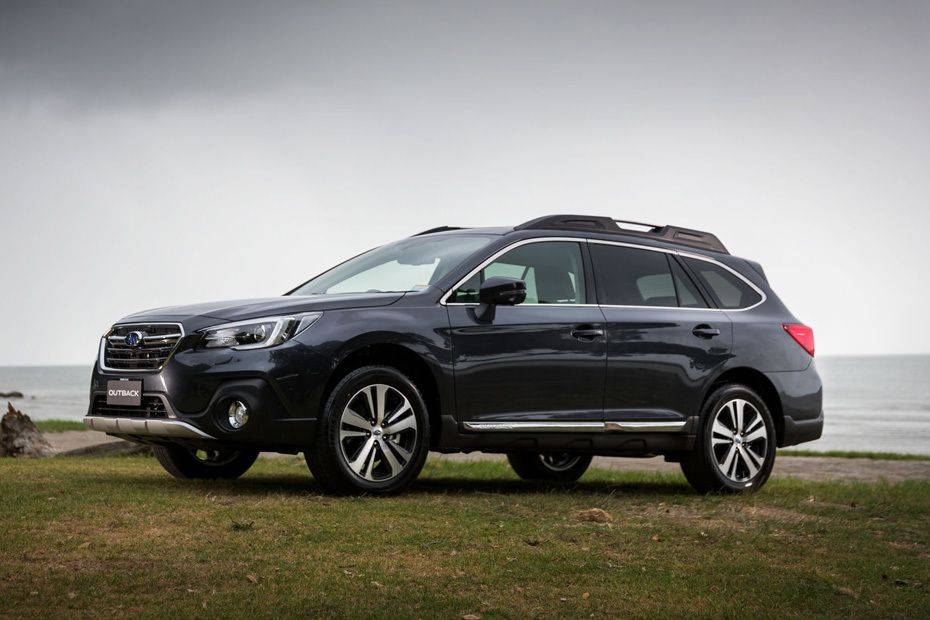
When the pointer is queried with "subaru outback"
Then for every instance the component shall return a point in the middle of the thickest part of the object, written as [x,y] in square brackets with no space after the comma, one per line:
[551,342]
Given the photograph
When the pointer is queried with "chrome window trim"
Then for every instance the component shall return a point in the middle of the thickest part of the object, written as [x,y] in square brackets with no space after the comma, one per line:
[462,303]
[685,254]
[103,342]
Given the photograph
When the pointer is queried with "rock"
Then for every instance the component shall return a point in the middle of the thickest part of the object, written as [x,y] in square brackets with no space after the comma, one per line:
[13,394]
[19,436]
[594,515]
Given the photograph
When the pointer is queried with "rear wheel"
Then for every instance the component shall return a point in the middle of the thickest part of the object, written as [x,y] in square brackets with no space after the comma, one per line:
[735,446]
[188,463]
[550,466]
[373,436]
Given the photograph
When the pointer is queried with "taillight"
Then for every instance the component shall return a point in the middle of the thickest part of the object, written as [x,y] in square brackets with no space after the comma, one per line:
[802,334]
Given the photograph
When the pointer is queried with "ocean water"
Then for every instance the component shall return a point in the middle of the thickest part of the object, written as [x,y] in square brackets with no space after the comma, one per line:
[871,403]
[49,392]
[875,403]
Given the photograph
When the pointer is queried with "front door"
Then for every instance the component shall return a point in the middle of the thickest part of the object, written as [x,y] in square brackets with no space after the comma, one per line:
[664,342]
[542,360]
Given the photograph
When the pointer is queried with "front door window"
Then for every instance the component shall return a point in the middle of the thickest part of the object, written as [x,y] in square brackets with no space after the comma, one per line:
[553,272]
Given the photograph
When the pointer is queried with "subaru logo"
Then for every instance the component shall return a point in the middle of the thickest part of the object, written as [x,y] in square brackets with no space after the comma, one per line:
[134,339]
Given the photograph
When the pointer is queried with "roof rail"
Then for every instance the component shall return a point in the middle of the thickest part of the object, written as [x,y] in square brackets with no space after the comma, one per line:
[594,223]
[438,229]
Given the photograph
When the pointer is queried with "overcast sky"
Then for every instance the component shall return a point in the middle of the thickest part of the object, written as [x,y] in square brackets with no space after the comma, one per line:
[156,153]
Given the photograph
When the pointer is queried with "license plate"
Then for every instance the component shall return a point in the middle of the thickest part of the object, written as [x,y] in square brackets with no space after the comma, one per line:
[127,393]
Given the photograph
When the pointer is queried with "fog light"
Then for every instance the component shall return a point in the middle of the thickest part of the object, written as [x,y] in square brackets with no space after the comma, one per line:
[238,414]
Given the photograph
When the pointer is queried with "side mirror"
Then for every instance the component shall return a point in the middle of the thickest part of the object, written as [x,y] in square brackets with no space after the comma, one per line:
[499,291]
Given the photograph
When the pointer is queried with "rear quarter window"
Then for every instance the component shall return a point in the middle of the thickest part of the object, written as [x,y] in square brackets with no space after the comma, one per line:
[728,290]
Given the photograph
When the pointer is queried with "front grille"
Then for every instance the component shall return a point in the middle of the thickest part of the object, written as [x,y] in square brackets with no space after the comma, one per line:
[152,407]
[157,343]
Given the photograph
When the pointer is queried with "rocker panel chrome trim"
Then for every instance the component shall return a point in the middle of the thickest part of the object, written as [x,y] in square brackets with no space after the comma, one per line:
[649,427]
[574,427]
[518,427]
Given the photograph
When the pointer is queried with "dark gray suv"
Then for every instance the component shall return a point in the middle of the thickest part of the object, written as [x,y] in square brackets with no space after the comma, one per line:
[553,341]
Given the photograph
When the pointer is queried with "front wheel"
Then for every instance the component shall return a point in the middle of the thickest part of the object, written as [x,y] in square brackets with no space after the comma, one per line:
[373,436]
[549,466]
[189,463]
[734,450]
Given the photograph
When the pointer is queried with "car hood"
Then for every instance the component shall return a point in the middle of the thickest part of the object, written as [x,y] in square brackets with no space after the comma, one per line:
[197,316]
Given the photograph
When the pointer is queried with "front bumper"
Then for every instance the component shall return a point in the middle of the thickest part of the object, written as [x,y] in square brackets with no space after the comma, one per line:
[142,427]
[281,387]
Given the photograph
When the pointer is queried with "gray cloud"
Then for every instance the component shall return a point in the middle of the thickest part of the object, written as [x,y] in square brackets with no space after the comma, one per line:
[123,53]
[141,53]
[269,140]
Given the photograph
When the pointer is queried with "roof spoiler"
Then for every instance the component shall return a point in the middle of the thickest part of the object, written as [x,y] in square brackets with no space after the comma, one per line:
[668,234]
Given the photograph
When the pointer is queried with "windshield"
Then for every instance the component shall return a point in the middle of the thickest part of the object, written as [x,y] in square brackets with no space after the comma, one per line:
[408,265]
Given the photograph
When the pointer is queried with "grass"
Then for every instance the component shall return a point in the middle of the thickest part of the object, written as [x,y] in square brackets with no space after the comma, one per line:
[852,454]
[58,426]
[96,536]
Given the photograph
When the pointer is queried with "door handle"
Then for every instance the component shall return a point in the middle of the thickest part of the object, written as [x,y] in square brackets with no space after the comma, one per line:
[587,332]
[705,331]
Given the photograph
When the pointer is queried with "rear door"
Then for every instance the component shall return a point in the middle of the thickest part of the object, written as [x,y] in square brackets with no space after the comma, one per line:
[542,360]
[664,339]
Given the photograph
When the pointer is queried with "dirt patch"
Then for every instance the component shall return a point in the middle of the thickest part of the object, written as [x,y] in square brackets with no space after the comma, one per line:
[731,518]
[594,515]
[67,441]
[782,515]
[816,468]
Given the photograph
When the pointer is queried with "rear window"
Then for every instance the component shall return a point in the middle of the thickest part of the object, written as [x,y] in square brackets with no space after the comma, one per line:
[634,277]
[728,290]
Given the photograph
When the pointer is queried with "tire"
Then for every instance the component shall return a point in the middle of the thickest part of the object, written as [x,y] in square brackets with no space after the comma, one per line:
[354,452]
[726,462]
[189,464]
[549,466]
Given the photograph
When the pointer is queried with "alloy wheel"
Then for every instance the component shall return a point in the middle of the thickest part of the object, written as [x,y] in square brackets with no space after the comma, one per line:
[378,433]
[559,461]
[739,440]
[214,457]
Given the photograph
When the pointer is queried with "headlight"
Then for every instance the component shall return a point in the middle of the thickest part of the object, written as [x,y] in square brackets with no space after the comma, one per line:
[257,333]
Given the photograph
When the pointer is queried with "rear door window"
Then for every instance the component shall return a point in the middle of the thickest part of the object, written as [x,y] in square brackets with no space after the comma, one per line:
[688,294]
[728,290]
[633,277]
